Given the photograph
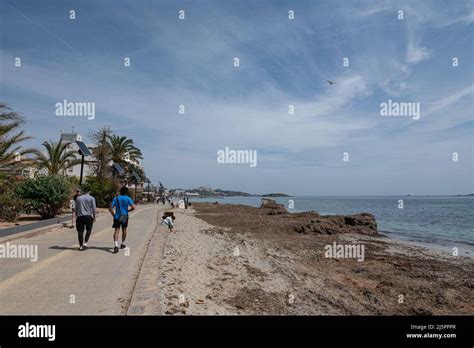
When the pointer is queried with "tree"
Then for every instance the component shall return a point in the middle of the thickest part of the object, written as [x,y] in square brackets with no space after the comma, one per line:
[125,153]
[45,194]
[10,205]
[123,150]
[57,159]
[161,190]
[103,191]
[11,135]
[102,154]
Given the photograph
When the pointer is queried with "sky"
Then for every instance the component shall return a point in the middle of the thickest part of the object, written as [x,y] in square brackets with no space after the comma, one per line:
[282,62]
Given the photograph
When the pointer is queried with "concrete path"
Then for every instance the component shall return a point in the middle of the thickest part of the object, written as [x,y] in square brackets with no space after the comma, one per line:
[66,281]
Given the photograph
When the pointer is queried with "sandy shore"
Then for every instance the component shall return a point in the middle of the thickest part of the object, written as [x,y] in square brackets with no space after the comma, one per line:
[230,259]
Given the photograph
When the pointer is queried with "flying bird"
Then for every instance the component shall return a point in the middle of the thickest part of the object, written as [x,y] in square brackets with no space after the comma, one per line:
[330,82]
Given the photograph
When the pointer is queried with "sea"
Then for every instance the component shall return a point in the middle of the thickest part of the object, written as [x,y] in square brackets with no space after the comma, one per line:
[446,221]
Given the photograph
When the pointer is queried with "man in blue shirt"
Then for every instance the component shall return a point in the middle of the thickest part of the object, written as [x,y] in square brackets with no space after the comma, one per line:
[121,204]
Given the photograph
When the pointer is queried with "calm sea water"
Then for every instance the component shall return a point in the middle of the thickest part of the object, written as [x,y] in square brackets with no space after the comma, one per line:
[445,221]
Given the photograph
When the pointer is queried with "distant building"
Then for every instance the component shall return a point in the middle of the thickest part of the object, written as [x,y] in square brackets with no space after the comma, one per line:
[140,184]
[11,170]
[29,172]
[204,188]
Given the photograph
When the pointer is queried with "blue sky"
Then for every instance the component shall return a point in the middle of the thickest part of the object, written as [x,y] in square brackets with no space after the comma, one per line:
[282,62]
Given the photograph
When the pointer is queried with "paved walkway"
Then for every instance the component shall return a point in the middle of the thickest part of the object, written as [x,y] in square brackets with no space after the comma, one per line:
[66,281]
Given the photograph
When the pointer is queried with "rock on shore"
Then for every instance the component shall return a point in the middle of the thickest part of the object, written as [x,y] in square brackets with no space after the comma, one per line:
[332,224]
[313,222]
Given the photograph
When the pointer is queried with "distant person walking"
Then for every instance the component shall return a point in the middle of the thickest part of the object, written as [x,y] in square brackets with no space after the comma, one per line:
[85,209]
[78,193]
[121,204]
[72,205]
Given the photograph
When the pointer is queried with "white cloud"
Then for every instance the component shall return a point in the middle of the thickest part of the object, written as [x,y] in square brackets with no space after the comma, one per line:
[448,100]
[415,52]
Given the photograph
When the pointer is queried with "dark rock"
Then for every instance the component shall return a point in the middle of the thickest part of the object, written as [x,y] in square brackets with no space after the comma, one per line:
[334,224]
[272,207]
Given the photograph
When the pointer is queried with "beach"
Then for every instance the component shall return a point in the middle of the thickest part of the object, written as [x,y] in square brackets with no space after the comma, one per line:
[235,259]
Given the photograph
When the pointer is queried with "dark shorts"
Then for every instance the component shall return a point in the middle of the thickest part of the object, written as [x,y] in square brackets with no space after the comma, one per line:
[118,224]
[84,222]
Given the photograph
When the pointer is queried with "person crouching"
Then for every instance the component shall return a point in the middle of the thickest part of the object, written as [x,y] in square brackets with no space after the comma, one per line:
[168,221]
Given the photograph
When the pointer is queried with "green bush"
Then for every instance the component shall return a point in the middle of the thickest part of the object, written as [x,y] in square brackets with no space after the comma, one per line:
[45,194]
[140,195]
[10,206]
[103,191]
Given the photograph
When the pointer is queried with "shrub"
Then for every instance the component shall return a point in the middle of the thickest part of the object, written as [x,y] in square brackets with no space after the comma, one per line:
[140,196]
[103,191]
[45,194]
[10,206]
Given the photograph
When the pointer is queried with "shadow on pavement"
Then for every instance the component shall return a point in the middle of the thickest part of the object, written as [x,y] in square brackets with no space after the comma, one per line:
[108,249]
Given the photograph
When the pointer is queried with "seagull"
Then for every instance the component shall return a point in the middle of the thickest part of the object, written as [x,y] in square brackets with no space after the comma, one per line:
[330,82]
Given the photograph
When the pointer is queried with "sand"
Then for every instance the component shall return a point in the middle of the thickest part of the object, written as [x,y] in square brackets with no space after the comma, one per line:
[229,259]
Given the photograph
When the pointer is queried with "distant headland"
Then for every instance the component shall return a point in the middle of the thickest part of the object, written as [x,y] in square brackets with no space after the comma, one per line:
[204,191]
[278,194]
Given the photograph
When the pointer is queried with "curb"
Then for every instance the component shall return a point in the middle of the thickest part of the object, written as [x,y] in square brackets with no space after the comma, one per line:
[32,232]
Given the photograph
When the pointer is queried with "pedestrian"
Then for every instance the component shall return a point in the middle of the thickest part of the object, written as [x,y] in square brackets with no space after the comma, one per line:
[168,221]
[85,209]
[121,203]
[72,205]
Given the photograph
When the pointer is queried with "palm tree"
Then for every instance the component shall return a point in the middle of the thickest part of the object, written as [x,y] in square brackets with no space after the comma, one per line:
[11,152]
[57,159]
[123,151]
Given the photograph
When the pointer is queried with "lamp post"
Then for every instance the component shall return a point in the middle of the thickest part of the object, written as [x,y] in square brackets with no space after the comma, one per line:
[135,196]
[118,171]
[83,151]
[82,167]
[148,194]
[135,178]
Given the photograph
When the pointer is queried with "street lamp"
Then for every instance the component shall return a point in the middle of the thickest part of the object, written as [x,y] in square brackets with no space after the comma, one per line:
[148,182]
[136,178]
[118,171]
[83,151]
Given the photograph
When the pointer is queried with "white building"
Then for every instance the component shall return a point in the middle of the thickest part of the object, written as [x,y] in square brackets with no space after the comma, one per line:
[11,170]
[76,170]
